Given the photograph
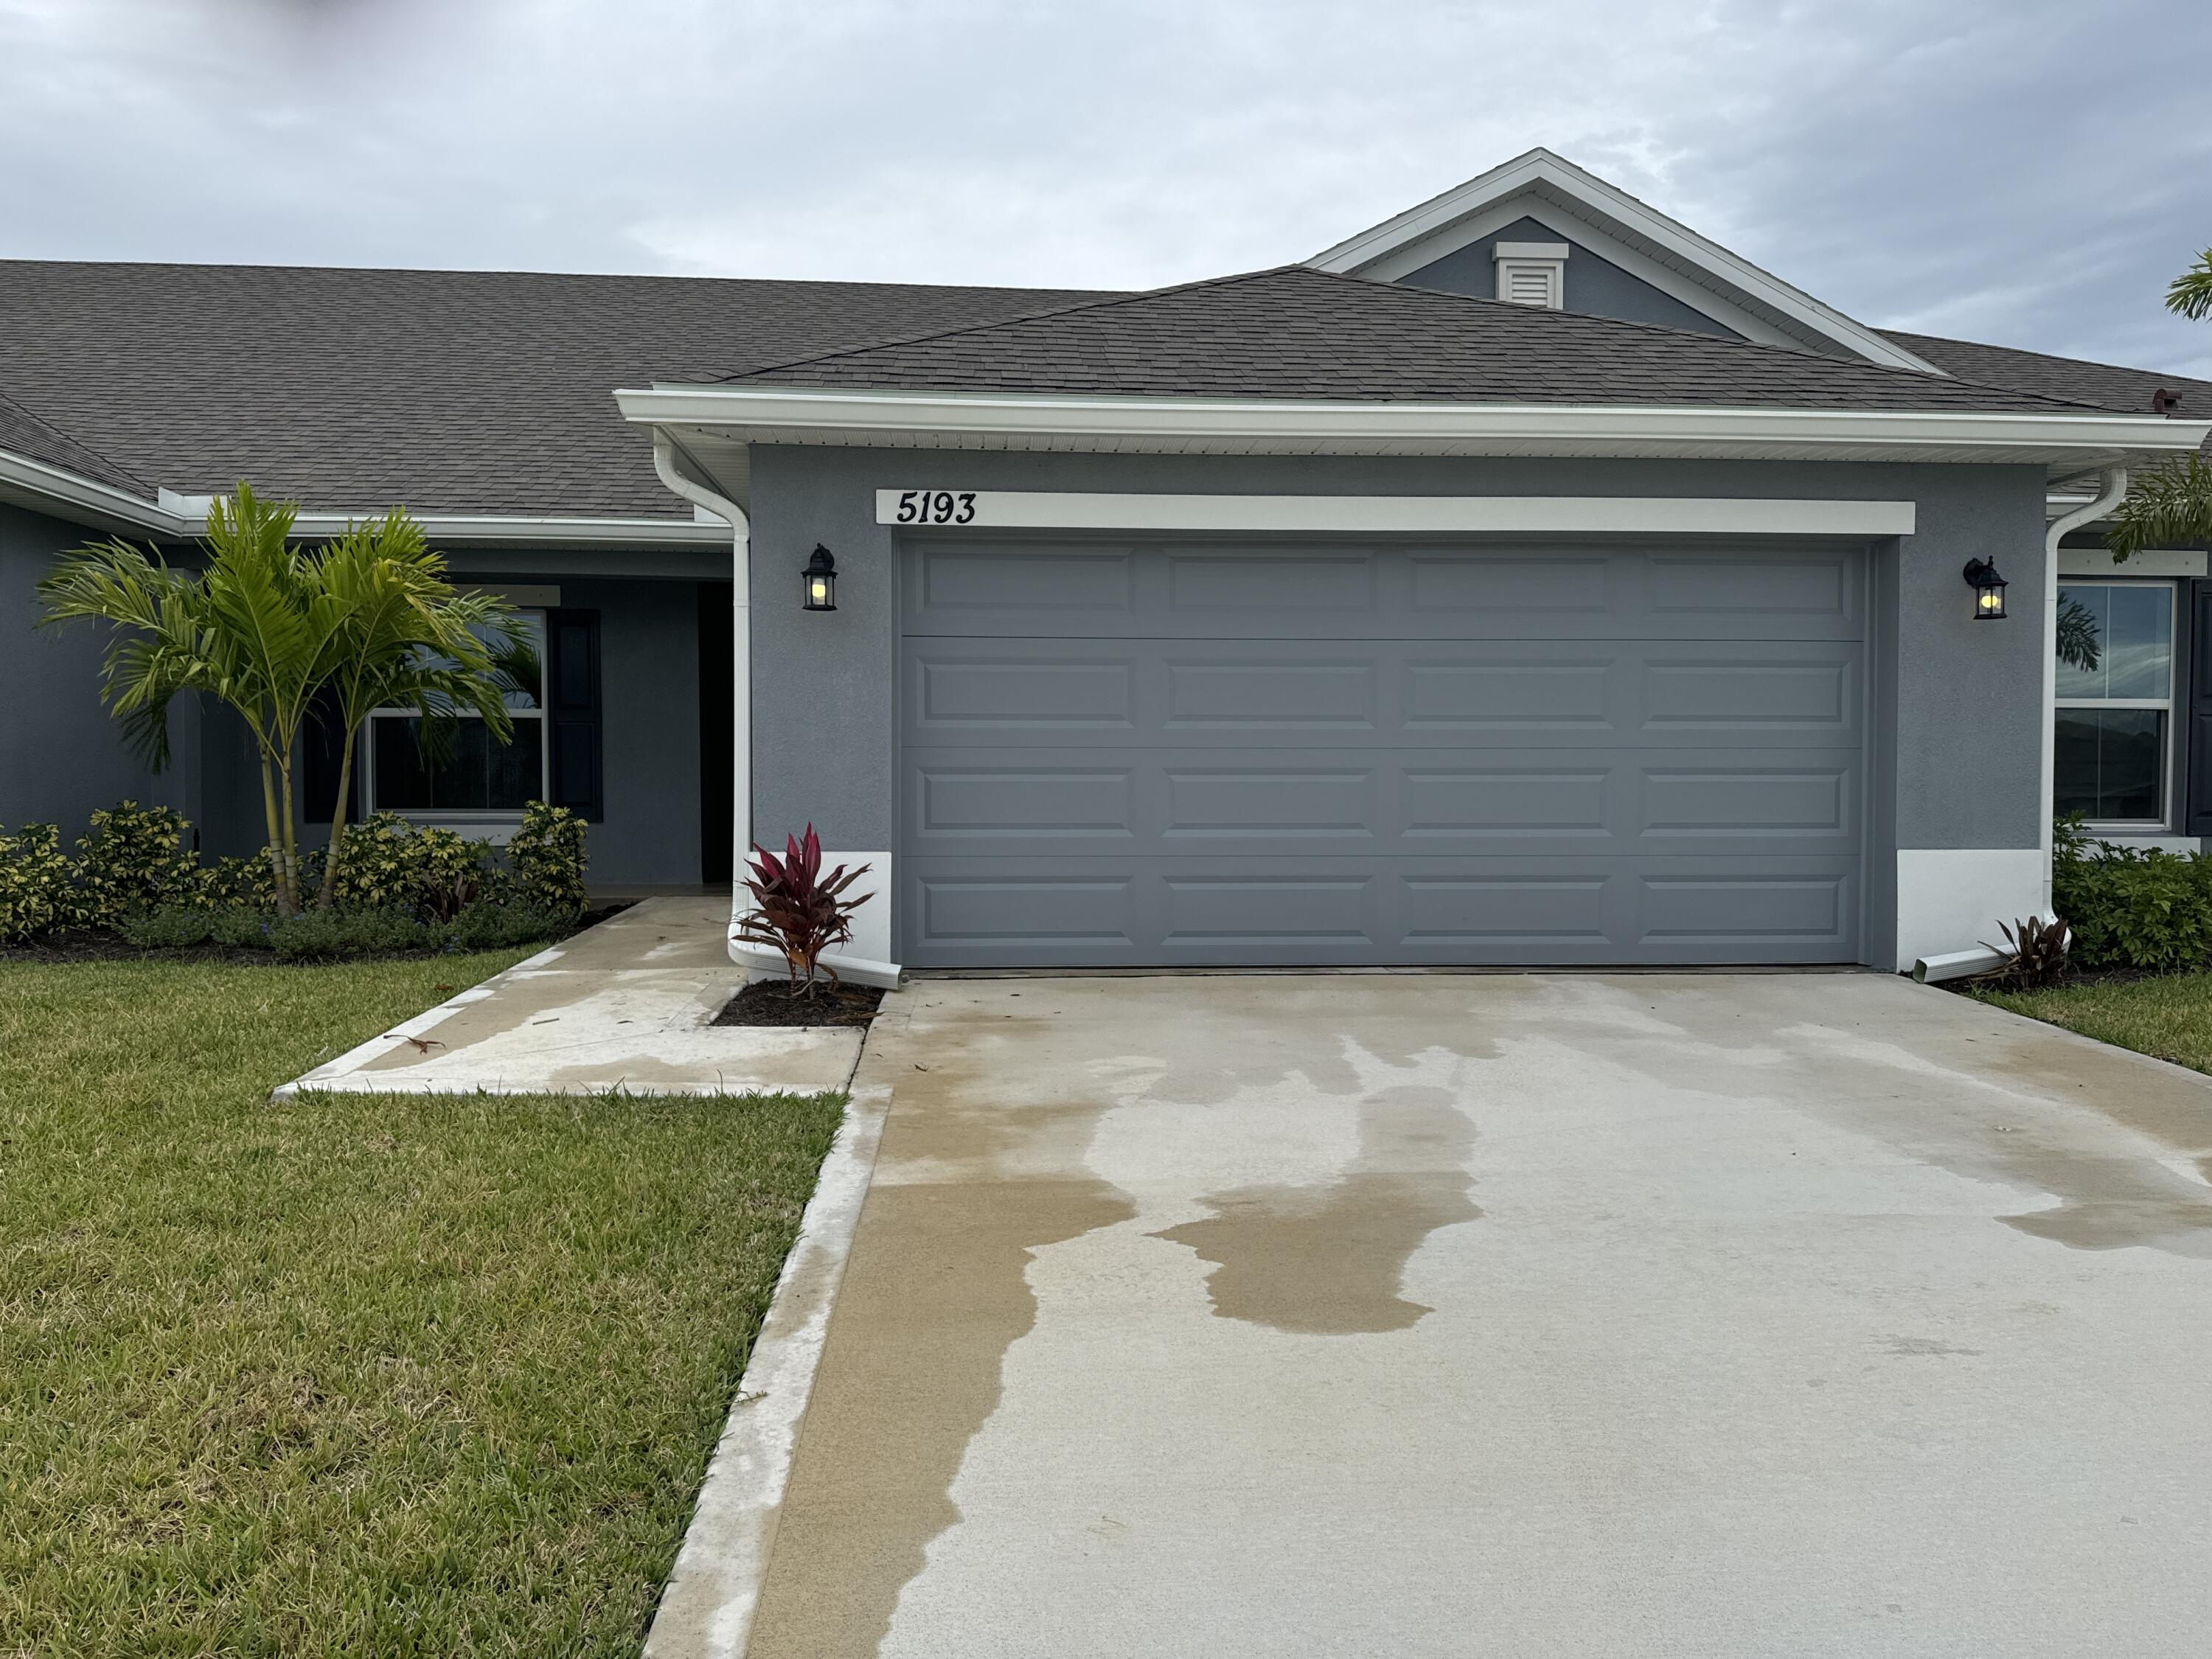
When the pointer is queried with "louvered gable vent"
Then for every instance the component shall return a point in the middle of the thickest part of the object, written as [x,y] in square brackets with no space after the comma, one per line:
[1531,273]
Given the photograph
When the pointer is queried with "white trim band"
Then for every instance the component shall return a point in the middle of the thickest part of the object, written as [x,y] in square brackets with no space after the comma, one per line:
[1011,509]
[41,487]
[1286,426]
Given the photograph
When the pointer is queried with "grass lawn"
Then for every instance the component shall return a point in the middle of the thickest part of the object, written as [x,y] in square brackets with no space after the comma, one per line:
[348,1375]
[2169,1016]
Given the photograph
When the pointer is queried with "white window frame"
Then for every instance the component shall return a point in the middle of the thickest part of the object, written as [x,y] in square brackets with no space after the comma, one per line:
[2169,802]
[484,824]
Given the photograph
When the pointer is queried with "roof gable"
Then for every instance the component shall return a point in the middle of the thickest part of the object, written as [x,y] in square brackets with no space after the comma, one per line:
[1663,253]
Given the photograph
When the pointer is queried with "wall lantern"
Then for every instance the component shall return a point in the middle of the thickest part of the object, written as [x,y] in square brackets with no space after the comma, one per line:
[821,576]
[1989,590]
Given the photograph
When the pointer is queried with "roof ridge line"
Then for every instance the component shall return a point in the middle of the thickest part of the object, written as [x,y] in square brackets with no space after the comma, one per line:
[1099,303]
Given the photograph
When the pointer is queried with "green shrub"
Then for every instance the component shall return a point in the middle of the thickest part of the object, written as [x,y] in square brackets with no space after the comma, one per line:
[34,883]
[236,883]
[134,859]
[386,861]
[241,929]
[169,928]
[546,858]
[494,926]
[321,935]
[2132,907]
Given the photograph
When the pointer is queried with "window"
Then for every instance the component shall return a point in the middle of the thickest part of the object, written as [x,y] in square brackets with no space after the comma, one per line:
[2115,725]
[473,776]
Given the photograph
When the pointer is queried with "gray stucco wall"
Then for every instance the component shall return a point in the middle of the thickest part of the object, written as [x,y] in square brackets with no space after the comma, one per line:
[1594,286]
[1964,746]
[61,756]
[649,673]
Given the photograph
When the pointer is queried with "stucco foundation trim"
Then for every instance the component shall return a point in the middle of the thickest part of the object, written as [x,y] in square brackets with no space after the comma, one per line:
[1953,899]
[706,1609]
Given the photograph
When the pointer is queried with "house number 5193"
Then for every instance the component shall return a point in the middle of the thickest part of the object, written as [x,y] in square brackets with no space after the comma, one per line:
[936,506]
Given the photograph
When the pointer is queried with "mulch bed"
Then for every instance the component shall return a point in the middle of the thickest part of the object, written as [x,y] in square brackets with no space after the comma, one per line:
[769,1002]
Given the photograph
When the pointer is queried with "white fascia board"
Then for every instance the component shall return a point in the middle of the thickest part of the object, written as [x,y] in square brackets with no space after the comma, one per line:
[1437,222]
[1007,509]
[512,530]
[45,487]
[41,487]
[1285,425]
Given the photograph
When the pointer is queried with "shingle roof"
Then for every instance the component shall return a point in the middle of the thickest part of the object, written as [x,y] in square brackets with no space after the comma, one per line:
[2130,389]
[447,390]
[1296,332]
[22,433]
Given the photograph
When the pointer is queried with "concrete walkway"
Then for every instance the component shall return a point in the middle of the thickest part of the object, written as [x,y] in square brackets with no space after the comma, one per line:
[624,1004]
[1438,1316]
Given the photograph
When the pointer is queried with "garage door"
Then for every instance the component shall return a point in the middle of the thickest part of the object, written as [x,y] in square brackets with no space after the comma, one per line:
[1244,754]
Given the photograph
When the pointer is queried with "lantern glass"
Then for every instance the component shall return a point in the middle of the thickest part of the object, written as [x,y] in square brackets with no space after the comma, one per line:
[1989,590]
[820,577]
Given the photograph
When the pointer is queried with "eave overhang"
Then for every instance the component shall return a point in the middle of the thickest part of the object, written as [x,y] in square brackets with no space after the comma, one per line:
[44,487]
[707,418]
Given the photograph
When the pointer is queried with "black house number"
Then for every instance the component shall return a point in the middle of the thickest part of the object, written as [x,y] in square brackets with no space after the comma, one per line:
[937,506]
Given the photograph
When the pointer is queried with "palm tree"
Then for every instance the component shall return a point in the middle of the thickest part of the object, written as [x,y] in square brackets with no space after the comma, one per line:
[270,629]
[406,639]
[2173,503]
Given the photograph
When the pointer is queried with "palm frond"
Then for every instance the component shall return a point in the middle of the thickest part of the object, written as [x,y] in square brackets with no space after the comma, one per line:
[2190,294]
[2170,505]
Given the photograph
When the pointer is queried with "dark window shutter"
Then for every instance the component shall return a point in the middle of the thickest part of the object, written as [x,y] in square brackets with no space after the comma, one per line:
[322,748]
[572,676]
[2196,735]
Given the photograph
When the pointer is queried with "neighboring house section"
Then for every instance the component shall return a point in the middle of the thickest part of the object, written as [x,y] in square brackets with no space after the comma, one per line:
[1525,579]
[481,401]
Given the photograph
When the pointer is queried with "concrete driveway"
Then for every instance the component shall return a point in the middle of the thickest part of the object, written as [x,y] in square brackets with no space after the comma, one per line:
[1696,1315]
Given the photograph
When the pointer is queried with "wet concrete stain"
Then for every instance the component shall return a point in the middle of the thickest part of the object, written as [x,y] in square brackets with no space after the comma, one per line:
[2017,1104]
[935,1294]
[1329,1259]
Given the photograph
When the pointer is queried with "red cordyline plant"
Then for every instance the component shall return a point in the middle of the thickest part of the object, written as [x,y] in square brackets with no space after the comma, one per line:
[798,910]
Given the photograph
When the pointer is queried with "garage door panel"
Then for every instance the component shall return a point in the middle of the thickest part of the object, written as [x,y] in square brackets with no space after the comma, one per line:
[1565,589]
[1245,583]
[1003,689]
[1776,595]
[1217,912]
[1239,691]
[993,584]
[1525,694]
[1263,802]
[1815,694]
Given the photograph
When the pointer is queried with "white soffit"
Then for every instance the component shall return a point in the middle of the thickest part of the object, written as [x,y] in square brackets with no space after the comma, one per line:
[1610,222]
[939,508]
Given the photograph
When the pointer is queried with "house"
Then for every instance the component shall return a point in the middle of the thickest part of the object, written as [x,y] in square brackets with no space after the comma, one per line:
[1525,579]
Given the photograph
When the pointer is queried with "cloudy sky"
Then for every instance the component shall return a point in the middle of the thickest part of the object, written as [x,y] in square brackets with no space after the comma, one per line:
[2016,171]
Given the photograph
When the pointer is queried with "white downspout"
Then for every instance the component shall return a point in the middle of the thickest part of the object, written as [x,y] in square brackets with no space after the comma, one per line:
[741,656]
[2113,491]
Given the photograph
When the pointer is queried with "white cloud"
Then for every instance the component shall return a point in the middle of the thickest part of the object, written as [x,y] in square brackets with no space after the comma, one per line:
[2024,171]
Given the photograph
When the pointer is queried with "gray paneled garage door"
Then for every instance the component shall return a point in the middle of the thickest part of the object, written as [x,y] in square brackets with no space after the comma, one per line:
[1227,754]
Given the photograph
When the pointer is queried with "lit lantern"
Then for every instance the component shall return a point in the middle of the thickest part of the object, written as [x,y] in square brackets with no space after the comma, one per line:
[821,577]
[1989,590]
